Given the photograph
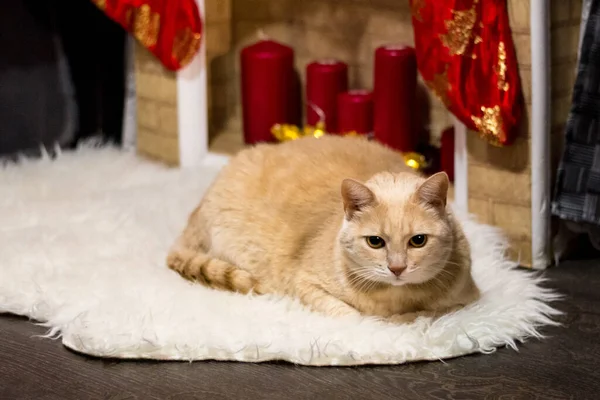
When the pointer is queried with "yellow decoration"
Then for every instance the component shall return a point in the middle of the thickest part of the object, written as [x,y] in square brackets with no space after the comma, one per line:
[459,30]
[185,45]
[489,124]
[287,132]
[317,131]
[501,67]
[145,24]
[415,161]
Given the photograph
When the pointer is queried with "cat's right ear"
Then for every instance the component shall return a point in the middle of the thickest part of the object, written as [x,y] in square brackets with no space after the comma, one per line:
[434,191]
[356,197]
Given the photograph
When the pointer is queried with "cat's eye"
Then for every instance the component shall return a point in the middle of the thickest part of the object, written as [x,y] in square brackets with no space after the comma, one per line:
[418,241]
[375,242]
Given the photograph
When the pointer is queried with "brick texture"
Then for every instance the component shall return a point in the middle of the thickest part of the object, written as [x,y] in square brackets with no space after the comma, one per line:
[514,219]
[156,109]
[156,146]
[518,14]
[481,208]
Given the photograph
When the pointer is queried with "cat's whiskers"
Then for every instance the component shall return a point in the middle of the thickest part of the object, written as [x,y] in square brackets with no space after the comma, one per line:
[355,280]
[364,285]
[365,278]
[358,276]
[439,282]
[442,279]
[453,263]
[370,284]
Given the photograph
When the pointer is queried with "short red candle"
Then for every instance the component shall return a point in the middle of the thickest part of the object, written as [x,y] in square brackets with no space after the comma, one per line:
[267,89]
[447,152]
[325,79]
[355,111]
[395,85]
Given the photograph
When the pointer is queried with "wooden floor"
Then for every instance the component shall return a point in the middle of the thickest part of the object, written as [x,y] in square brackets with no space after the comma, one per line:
[566,365]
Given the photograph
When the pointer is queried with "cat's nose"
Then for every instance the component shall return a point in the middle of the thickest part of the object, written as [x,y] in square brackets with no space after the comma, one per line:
[397,269]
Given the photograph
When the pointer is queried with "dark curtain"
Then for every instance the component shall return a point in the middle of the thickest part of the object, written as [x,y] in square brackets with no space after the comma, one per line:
[33,105]
[62,74]
[577,191]
[577,196]
[95,49]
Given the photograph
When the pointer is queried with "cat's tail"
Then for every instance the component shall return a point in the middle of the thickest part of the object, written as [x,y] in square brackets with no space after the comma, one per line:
[212,272]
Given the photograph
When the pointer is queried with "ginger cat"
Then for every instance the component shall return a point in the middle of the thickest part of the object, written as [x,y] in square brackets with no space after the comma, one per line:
[274,221]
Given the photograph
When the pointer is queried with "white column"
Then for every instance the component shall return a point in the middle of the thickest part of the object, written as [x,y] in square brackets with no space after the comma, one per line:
[461,176]
[540,134]
[192,107]
[130,108]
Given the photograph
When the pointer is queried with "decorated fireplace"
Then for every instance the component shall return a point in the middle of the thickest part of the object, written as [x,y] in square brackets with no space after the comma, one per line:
[196,115]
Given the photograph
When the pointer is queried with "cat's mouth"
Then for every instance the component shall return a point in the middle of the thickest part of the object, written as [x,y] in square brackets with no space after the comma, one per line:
[397,281]
[392,279]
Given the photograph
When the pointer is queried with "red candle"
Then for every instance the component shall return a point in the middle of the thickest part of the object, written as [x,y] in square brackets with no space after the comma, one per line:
[267,89]
[395,85]
[325,79]
[355,111]
[447,152]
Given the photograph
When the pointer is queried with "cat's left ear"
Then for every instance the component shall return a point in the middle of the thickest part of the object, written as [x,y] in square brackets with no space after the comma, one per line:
[356,197]
[434,191]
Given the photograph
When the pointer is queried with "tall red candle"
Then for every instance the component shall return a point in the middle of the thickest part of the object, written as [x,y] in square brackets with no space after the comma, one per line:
[325,79]
[355,111]
[447,152]
[395,85]
[267,89]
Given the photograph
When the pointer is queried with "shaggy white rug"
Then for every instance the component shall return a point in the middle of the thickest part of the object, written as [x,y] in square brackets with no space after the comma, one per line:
[83,241]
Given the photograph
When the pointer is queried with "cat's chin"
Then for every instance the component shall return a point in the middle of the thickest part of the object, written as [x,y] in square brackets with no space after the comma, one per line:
[396,282]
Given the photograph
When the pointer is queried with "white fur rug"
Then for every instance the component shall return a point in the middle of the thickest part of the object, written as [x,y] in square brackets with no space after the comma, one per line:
[82,246]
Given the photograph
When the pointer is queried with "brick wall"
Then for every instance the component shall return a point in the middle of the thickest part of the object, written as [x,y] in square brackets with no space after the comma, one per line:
[219,60]
[565,26]
[156,109]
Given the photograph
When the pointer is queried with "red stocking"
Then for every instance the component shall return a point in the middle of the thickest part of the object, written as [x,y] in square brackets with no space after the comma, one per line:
[466,55]
[170,29]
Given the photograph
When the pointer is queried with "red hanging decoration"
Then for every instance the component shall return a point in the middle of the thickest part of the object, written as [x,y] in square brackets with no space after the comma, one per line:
[170,29]
[466,55]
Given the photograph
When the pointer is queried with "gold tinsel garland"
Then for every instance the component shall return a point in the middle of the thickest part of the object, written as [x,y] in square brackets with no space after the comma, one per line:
[287,132]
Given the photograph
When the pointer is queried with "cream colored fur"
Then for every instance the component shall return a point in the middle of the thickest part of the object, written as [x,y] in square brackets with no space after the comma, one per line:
[291,219]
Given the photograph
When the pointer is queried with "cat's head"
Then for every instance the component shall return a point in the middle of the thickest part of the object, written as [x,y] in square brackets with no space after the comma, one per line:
[396,229]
